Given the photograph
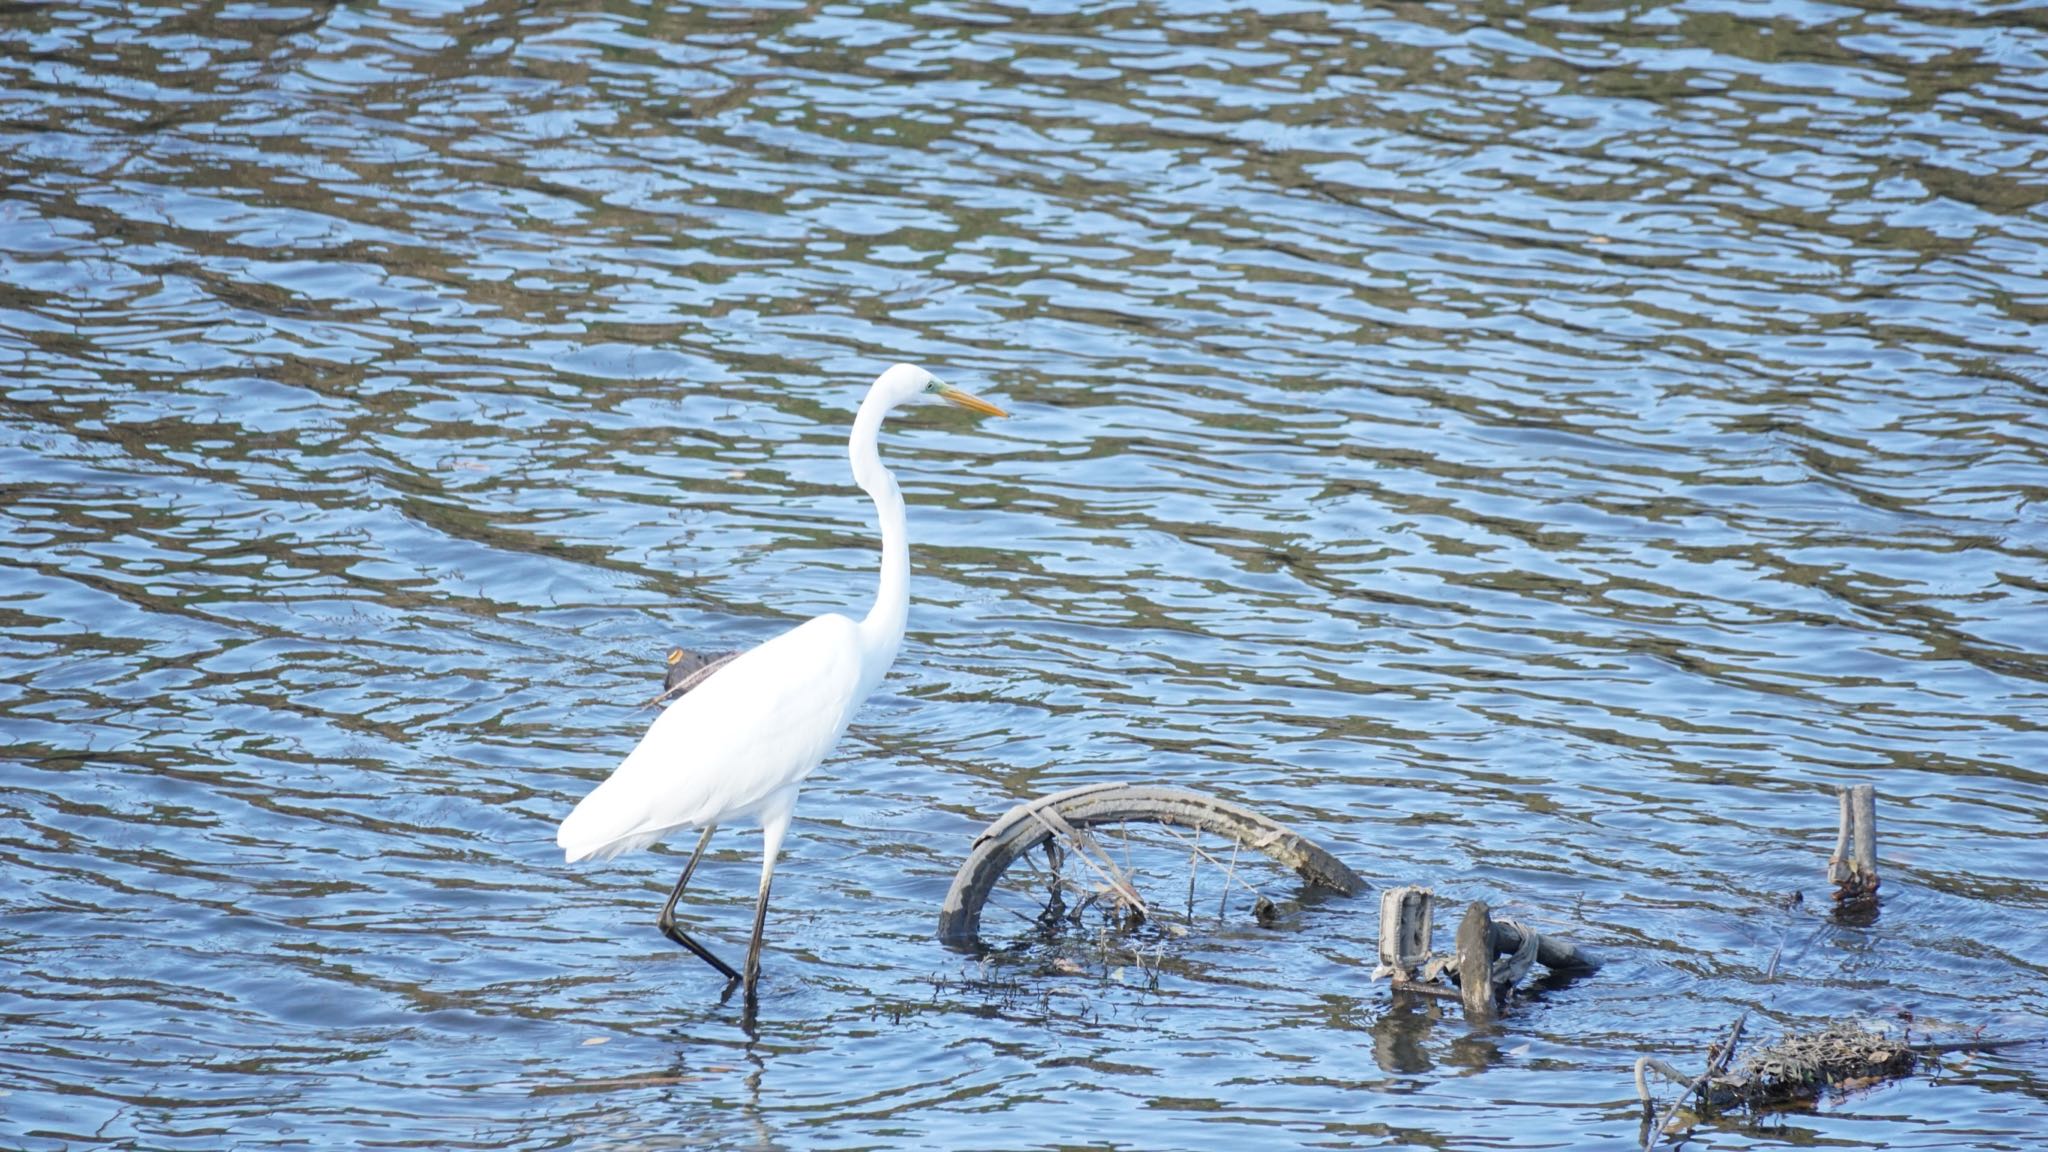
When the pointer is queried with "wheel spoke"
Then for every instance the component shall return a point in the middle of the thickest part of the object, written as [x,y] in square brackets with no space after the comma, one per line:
[1082,842]
[1229,874]
[1229,870]
[1091,879]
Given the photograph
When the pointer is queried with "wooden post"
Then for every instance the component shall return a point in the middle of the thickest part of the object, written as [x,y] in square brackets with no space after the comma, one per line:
[1853,867]
[1475,961]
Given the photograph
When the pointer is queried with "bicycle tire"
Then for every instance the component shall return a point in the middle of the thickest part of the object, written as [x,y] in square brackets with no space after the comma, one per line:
[1020,830]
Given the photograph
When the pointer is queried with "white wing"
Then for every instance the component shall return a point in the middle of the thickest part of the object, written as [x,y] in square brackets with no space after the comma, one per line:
[756,727]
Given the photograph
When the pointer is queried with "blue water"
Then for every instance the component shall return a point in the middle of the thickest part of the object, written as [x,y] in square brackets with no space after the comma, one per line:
[1537,451]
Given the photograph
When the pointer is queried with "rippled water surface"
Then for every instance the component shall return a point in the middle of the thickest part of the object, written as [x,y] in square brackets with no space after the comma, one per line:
[1538,451]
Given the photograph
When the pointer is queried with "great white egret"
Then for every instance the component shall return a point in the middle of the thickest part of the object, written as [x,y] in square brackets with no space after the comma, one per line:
[738,743]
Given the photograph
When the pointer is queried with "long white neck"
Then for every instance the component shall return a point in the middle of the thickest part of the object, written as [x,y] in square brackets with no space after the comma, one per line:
[881,631]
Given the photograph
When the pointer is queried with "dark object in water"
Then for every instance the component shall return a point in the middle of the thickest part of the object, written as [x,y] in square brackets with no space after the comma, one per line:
[1492,956]
[1798,1066]
[1793,1071]
[686,670]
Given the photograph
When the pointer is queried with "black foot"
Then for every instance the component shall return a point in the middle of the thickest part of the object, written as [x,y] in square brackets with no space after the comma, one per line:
[701,952]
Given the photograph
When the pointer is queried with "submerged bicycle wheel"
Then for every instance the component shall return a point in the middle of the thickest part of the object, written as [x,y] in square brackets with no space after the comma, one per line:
[1130,860]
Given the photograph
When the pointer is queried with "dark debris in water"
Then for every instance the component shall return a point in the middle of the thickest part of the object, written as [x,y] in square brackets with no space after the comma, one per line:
[1799,1066]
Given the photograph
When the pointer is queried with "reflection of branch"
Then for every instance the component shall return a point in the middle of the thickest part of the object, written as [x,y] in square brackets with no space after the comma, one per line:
[606,1083]
[1947,1046]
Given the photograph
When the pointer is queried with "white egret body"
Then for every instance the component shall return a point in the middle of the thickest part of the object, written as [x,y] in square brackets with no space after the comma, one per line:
[739,744]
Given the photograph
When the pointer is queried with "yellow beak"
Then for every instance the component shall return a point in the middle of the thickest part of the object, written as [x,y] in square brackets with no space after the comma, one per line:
[969,401]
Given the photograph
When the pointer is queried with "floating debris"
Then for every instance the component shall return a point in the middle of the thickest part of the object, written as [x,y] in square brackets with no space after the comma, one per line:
[1492,956]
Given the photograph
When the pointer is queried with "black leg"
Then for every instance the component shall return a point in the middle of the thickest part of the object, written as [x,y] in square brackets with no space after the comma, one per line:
[774,822]
[668,913]
[754,949]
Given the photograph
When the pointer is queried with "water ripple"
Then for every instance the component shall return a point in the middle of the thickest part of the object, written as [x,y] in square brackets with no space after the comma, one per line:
[1537,451]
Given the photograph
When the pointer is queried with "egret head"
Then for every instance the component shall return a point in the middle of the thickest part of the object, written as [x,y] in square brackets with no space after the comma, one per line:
[905,383]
